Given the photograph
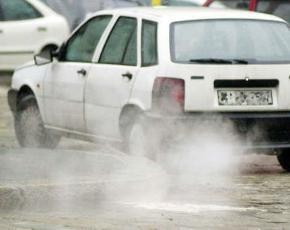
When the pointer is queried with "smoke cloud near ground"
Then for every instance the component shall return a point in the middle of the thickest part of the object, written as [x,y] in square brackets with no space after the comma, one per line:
[205,160]
[206,147]
[201,161]
[199,165]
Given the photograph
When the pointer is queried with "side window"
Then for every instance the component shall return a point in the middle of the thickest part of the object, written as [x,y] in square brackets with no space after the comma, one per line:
[13,10]
[149,43]
[1,12]
[121,46]
[81,47]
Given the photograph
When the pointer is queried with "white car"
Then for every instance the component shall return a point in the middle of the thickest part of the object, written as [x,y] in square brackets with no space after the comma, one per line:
[27,27]
[124,73]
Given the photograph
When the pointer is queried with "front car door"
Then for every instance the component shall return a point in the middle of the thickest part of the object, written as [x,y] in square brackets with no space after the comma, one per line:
[66,78]
[111,79]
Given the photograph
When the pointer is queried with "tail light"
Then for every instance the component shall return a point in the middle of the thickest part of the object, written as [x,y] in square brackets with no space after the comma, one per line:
[168,95]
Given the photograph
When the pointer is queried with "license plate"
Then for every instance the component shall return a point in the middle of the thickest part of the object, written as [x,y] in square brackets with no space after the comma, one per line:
[245,97]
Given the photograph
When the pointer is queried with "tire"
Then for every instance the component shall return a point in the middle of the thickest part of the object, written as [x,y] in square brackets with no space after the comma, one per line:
[284,159]
[142,139]
[29,129]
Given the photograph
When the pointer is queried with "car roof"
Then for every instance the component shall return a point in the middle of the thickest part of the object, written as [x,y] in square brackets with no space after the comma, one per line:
[191,13]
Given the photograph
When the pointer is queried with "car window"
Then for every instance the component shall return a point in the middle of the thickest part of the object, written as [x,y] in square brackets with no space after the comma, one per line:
[82,45]
[13,10]
[179,3]
[230,40]
[130,57]
[149,43]
[235,4]
[1,13]
[121,46]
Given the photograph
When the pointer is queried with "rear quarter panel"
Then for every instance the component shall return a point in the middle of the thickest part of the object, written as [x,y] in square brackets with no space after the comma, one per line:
[143,86]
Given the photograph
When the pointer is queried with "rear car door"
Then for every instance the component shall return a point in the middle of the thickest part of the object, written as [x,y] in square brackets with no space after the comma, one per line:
[20,30]
[66,78]
[111,79]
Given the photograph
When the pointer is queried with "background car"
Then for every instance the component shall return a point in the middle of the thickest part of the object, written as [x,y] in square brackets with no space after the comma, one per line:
[76,11]
[190,3]
[26,28]
[280,8]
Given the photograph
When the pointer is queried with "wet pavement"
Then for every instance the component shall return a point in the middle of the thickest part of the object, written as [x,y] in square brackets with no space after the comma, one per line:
[87,186]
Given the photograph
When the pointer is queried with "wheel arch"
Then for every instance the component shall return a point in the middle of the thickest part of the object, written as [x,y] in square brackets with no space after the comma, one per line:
[25,91]
[42,138]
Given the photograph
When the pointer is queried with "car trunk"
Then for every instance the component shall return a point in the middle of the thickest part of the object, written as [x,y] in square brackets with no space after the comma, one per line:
[258,87]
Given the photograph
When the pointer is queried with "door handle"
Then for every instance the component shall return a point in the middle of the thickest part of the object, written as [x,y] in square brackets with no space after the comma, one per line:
[127,75]
[82,72]
[41,29]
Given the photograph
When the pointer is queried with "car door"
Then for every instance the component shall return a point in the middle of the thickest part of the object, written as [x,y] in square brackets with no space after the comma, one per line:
[20,31]
[66,78]
[111,79]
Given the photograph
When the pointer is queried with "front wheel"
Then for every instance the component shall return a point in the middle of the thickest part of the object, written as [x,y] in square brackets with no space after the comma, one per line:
[284,159]
[29,129]
[143,139]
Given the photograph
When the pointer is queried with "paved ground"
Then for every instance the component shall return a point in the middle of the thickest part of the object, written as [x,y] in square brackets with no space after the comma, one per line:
[86,186]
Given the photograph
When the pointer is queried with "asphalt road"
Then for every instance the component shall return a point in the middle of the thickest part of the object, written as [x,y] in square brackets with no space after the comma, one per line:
[88,186]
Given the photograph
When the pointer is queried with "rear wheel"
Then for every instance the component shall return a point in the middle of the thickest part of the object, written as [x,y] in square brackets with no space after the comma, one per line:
[29,128]
[143,139]
[284,159]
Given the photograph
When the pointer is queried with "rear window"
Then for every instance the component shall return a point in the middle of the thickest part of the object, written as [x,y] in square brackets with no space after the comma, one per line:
[256,42]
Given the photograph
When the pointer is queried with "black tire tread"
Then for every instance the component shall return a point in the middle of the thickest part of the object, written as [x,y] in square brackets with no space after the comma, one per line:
[284,159]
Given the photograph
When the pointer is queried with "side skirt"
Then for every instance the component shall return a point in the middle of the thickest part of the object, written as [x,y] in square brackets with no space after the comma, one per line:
[82,136]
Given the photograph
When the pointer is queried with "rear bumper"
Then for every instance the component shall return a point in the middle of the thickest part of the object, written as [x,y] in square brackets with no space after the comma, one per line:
[255,130]
[214,115]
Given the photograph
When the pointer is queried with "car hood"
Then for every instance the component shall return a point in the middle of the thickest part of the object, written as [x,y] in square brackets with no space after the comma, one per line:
[26,65]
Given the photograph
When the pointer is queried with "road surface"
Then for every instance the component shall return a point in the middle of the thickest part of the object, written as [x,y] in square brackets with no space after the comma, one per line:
[87,186]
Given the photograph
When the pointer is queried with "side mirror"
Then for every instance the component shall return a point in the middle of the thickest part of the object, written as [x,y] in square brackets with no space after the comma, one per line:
[45,56]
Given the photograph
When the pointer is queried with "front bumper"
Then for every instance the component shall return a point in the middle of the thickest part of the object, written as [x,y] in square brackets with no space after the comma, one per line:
[255,130]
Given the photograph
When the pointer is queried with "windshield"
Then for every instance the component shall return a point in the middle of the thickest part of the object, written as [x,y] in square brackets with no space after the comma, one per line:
[230,41]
